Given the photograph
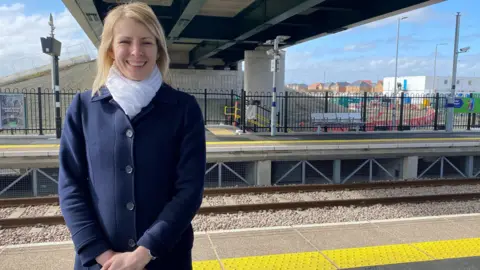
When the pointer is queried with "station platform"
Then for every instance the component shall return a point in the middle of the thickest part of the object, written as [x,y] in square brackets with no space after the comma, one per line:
[442,242]
[217,136]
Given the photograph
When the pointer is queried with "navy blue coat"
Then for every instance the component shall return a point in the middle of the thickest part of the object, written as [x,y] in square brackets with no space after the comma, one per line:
[127,183]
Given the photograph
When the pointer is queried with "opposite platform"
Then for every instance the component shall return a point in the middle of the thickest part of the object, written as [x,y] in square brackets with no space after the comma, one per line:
[446,242]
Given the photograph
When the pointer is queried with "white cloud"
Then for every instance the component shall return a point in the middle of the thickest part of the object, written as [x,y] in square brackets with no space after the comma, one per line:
[359,47]
[20,47]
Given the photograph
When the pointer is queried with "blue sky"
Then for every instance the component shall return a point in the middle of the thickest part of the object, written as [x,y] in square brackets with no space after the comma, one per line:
[366,52]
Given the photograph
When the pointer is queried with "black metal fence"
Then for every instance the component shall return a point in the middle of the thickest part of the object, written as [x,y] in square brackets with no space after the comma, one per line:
[251,111]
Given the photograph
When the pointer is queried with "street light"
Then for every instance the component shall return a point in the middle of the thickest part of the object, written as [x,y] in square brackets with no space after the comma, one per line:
[394,109]
[435,65]
[274,68]
[451,98]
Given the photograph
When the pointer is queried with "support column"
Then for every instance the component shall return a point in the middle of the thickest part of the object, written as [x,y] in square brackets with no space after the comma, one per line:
[468,166]
[257,74]
[337,169]
[409,168]
[35,182]
[263,172]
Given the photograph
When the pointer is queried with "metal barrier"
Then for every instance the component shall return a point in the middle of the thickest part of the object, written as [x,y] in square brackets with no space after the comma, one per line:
[31,111]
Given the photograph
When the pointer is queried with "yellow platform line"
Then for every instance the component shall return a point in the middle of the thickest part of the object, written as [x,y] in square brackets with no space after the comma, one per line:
[274,142]
[221,131]
[352,257]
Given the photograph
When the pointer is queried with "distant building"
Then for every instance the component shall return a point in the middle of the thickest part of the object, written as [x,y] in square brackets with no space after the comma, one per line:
[339,87]
[378,87]
[297,87]
[359,86]
[315,87]
[425,84]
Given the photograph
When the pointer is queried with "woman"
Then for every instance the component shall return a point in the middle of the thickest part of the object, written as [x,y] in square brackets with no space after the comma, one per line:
[132,155]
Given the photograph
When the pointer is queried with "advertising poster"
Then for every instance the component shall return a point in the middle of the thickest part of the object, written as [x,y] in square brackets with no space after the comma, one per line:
[467,105]
[12,111]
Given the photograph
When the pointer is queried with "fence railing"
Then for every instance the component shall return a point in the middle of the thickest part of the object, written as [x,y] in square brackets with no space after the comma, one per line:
[32,111]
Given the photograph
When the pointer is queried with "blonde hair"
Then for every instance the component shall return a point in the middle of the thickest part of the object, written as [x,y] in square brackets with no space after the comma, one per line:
[142,13]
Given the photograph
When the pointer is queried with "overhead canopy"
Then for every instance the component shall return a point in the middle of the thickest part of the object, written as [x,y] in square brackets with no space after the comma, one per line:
[217,32]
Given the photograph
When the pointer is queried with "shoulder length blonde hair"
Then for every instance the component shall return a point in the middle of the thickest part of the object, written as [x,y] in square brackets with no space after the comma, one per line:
[142,13]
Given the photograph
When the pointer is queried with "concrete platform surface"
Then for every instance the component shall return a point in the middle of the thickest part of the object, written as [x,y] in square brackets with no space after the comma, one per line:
[444,242]
[222,135]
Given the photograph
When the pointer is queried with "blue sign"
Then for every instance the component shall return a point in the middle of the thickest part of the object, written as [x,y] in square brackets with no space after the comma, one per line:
[404,85]
[458,103]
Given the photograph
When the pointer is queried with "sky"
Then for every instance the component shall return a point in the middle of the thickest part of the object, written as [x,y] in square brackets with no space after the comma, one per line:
[363,53]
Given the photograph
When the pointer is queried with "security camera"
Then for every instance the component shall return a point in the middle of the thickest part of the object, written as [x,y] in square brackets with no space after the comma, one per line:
[464,50]
[270,52]
[282,38]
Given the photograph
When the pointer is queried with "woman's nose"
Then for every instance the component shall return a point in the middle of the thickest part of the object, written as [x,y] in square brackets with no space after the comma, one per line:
[136,49]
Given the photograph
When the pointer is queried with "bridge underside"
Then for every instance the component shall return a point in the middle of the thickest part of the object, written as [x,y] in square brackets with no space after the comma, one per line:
[216,33]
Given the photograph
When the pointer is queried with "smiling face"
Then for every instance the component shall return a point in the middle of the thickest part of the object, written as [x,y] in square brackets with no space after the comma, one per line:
[134,49]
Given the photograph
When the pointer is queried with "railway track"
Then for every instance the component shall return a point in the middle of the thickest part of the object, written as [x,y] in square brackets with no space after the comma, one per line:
[278,189]
[51,219]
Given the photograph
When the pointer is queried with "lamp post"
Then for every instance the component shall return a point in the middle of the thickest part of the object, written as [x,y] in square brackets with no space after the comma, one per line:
[394,109]
[274,68]
[451,98]
[435,66]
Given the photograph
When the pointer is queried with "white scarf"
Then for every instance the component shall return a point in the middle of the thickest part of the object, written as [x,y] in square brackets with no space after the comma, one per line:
[131,95]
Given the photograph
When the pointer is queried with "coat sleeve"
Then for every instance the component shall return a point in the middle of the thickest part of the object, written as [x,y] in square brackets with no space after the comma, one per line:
[180,211]
[75,203]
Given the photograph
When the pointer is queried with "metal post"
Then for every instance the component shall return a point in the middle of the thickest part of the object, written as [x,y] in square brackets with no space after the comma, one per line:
[56,85]
[434,69]
[274,93]
[451,97]
[394,109]
[56,89]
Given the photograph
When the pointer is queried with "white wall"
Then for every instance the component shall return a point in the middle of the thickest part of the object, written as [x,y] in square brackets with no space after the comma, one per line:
[415,84]
[206,79]
[443,84]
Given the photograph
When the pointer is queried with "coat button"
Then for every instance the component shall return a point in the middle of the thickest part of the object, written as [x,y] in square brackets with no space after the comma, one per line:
[129,169]
[129,133]
[130,206]
[131,243]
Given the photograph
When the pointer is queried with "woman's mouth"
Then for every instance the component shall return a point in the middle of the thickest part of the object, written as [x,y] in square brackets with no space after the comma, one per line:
[136,64]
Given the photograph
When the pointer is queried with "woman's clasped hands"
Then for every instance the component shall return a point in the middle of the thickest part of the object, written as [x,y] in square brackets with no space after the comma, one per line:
[136,260]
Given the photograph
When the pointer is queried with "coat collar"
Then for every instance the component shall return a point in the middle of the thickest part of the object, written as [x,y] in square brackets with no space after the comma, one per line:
[164,95]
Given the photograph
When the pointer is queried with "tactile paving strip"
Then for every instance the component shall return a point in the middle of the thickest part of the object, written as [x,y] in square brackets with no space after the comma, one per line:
[293,261]
[451,249]
[207,265]
[372,256]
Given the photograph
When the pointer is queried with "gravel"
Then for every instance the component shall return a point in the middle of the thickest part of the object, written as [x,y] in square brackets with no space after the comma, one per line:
[268,218]
[338,195]
[331,214]
[37,234]
[5,212]
[35,211]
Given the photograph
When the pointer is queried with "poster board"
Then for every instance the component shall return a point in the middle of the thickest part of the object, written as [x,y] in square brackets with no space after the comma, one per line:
[12,111]
[467,105]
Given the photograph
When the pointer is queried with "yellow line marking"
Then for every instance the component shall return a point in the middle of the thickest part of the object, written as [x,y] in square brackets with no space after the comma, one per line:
[354,257]
[221,131]
[298,261]
[371,256]
[207,265]
[451,249]
[273,142]
[343,141]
